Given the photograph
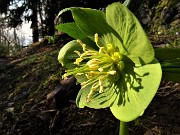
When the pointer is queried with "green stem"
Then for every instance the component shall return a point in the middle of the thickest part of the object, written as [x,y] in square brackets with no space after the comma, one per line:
[123,130]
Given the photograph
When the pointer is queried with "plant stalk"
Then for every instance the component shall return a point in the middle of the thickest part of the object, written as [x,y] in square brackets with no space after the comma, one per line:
[123,130]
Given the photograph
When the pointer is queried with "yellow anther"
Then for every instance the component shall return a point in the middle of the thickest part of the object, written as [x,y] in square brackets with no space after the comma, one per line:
[83,83]
[79,73]
[84,47]
[88,99]
[89,53]
[82,44]
[100,82]
[96,38]
[101,86]
[101,89]
[94,87]
[100,69]
[78,53]
[93,61]
[79,41]
[113,72]
[101,50]
[78,60]
[88,76]
[82,55]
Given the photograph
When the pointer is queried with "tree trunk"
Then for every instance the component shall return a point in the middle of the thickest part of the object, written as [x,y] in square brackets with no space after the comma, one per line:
[43,32]
[34,25]
[51,9]
[0,37]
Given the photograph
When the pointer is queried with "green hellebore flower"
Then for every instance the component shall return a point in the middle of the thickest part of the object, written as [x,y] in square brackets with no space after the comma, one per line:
[113,60]
[98,66]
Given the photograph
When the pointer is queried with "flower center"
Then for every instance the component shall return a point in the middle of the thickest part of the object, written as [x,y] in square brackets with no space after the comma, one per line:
[97,66]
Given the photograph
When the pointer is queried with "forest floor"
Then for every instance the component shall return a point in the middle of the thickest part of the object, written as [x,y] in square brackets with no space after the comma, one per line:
[34,100]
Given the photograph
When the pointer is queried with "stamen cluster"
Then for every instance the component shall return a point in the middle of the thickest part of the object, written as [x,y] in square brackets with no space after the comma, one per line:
[97,66]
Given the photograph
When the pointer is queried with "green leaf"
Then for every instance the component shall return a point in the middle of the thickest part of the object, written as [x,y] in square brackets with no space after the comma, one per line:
[173,63]
[163,54]
[87,23]
[172,74]
[67,55]
[134,96]
[136,45]
[63,10]
[169,59]
[72,30]
[90,21]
